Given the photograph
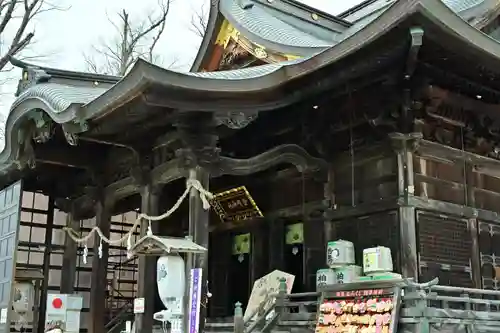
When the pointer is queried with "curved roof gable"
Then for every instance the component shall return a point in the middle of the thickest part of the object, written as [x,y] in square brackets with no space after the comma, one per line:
[286,33]
[66,104]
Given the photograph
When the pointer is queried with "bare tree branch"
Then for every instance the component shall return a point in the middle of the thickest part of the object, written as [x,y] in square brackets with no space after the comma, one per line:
[133,40]
[198,24]
[17,16]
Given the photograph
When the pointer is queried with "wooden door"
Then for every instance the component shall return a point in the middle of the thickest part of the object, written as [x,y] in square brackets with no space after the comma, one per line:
[10,206]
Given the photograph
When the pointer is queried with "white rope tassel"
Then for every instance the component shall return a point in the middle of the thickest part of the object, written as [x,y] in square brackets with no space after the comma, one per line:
[85,254]
[129,242]
[99,249]
[149,232]
[205,197]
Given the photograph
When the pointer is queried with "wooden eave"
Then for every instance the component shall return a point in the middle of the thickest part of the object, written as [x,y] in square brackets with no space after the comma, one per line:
[266,87]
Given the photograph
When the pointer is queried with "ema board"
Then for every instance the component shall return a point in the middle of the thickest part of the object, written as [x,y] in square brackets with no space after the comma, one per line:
[361,307]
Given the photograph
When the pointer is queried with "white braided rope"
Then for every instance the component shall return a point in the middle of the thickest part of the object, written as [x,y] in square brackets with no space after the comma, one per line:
[205,196]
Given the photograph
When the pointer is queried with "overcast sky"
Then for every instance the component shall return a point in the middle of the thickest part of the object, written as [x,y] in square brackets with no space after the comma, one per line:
[65,36]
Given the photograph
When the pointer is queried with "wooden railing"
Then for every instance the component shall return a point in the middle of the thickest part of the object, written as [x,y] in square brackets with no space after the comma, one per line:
[433,308]
[426,307]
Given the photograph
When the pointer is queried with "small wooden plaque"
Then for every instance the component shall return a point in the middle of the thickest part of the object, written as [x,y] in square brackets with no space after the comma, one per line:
[235,205]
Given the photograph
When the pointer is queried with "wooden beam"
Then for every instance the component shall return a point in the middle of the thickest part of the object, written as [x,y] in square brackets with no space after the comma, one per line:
[63,155]
[162,174]
[288,212]
[344,212]
[452,209]
[221,165]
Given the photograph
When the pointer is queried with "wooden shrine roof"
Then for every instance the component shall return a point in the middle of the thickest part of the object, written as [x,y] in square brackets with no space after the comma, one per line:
[71,99]
[289,27]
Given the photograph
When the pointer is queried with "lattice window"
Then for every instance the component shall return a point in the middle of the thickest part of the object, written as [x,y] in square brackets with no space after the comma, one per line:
[445,248]
[489,247]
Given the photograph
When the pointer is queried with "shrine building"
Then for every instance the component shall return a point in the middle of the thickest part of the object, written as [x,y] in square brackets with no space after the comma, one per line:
[380,126]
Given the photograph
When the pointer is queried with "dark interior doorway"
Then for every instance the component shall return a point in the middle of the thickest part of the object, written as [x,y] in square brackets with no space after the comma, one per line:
[294,264]
[239,280]
[294,255]
[239,271]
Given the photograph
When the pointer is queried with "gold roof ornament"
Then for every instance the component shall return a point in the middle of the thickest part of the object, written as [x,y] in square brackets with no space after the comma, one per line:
[260,53]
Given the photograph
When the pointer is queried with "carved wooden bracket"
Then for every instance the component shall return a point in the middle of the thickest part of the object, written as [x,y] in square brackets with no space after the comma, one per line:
[401,141]
[288,153]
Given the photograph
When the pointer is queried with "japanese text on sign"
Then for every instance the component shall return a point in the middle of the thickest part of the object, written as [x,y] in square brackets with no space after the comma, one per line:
[235,205]
[360,293]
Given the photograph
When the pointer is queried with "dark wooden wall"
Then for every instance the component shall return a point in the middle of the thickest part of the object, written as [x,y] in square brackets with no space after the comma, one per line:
[454,205]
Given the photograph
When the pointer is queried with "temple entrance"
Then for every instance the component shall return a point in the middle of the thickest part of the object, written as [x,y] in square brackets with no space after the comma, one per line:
[294,255]
[239,270]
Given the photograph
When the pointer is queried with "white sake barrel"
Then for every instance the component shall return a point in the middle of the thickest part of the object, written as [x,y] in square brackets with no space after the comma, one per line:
[347,274]
[339,253]
[377,260]
[325,277]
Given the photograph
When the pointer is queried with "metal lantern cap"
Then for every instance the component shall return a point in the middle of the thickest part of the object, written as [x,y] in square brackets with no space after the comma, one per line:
[151,245]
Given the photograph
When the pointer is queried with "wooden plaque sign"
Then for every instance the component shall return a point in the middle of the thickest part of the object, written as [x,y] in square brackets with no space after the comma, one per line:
[235,205]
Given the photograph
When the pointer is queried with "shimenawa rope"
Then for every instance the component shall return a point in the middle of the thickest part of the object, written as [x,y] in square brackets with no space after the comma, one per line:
[205,196]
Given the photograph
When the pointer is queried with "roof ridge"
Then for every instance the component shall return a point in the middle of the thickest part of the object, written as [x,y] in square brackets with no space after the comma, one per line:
[66,74]
[320,12]
[356,8]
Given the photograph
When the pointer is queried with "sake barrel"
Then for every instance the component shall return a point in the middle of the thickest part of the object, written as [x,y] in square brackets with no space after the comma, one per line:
[347,274]
[339,253]
[377,260]
[325,277]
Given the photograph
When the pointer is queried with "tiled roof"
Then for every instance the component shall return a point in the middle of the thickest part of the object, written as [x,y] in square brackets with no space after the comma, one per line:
[261,25]
[69,103]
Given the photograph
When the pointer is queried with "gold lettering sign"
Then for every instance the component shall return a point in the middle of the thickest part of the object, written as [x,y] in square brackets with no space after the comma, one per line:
[235,205]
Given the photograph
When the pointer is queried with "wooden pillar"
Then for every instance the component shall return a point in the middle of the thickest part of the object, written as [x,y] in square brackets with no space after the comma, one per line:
[276,244]
[330,229]
[97,311]
[68,270]
[259,252]
[473,226]
[198,133]
[147,264]
[46,266]
[405,144]
[314,249]
[198,230]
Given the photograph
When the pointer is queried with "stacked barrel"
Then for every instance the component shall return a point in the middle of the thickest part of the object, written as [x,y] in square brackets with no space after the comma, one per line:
[342,268]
